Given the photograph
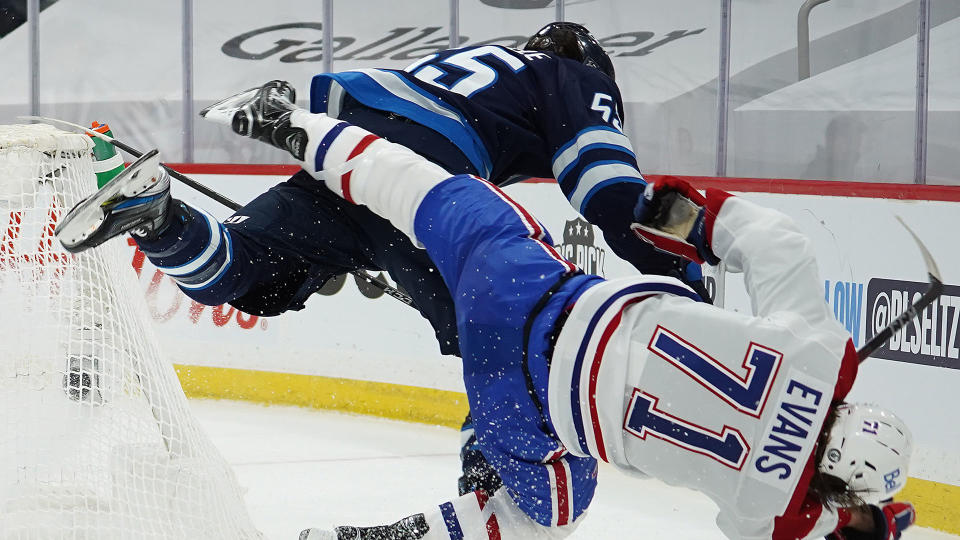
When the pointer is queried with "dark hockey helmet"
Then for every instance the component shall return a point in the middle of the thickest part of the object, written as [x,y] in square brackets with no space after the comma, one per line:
[574,41]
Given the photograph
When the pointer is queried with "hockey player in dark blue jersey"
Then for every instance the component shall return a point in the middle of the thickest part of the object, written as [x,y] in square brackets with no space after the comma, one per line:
[550,110]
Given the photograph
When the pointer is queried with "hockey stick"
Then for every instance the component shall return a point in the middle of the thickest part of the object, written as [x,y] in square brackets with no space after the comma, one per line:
[931,294]
[137,154]
[382,285]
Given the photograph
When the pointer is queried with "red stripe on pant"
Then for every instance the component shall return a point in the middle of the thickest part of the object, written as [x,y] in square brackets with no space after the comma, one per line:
[536,231]
[563,504]
[345,178]
[533,226]
[482,497]
[493,527]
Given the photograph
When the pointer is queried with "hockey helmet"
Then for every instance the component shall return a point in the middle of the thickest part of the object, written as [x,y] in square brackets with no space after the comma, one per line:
[868,448]
[574,41]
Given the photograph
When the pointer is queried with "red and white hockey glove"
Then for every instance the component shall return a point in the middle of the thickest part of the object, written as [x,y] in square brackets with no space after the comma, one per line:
[889,521]
[672,216]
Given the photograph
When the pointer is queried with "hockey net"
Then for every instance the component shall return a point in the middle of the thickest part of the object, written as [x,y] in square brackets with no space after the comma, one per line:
[96,436]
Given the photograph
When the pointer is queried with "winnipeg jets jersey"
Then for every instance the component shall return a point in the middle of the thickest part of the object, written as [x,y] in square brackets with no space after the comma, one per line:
[725,403]
[515,113]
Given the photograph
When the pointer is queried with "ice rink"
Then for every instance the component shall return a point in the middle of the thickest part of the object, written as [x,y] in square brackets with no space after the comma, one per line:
[305,468]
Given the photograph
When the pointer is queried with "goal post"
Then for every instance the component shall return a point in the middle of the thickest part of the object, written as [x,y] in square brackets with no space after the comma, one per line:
[96,436]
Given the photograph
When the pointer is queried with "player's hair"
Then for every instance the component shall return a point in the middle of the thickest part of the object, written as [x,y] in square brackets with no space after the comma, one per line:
[831,491]
[573,41]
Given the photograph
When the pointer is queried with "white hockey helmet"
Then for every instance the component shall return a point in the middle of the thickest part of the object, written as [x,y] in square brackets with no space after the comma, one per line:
[868,448]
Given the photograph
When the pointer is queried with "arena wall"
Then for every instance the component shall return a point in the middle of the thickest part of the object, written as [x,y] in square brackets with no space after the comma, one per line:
[360,351]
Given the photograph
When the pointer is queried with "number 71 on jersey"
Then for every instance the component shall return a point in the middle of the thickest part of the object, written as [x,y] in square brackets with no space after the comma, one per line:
[747,394]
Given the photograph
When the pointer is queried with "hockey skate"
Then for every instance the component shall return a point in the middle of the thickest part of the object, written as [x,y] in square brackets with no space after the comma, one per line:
[408,528]
[263,114]
[136,200]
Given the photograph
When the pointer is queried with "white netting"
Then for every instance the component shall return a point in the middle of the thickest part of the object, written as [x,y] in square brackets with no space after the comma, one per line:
[96,438]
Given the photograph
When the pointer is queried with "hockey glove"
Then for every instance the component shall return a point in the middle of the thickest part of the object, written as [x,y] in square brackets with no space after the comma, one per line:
[892,519]
[889,521]
[671,215]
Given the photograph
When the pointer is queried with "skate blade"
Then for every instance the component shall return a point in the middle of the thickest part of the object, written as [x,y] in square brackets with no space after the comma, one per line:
[86,217]
[222,111]
[318,534]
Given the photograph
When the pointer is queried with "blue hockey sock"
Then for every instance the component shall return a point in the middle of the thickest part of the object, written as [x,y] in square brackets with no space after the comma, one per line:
[195,249]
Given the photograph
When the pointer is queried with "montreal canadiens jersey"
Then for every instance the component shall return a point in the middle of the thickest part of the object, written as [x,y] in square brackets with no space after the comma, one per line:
[515,114]
[727,403]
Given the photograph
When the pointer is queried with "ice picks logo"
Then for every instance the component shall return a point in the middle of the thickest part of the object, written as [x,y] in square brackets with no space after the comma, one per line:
[578,247]
[931,338]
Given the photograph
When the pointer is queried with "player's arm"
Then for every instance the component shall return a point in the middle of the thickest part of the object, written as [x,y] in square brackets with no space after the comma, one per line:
[871,522]
[598,174]
[596,167]
[776,258]
[874,522]
[812,521]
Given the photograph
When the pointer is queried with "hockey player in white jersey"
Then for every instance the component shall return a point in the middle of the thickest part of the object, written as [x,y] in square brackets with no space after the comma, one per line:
[562,369]
[636,371]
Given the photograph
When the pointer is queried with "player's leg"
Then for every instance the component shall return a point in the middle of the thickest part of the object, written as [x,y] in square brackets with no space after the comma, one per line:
[266,258]
[283,245]
[388,178]
[499,263]
[387,249]
[484,233]
[419,138]
[412,269]
[473,516]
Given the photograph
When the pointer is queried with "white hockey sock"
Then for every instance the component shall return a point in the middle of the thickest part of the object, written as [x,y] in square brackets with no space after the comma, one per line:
[388,178]
[476,516]
[329,141]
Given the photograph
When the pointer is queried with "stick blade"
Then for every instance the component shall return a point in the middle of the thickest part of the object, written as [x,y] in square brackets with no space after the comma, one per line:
[913,310]
[931,264]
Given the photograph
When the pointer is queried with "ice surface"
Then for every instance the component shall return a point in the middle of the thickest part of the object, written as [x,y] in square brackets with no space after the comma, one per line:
[315,468]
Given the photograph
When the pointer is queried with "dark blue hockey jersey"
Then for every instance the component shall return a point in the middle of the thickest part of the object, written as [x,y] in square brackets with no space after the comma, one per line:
[511,113]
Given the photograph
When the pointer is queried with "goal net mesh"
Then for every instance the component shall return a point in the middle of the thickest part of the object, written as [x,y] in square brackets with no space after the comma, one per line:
[96,436]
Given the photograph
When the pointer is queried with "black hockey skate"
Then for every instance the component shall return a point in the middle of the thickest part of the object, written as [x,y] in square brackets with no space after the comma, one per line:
[263,114]
[409,528]
[137,200]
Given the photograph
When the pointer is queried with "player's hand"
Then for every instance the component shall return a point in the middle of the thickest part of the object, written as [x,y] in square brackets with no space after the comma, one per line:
[892,518]
[670,216]
[889,521]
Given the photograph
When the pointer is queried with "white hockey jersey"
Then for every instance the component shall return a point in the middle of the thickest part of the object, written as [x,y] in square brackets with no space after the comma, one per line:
[727,403]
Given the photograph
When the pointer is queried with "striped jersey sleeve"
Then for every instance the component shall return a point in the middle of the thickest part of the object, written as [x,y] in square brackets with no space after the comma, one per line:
[596,166]
[597,157]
